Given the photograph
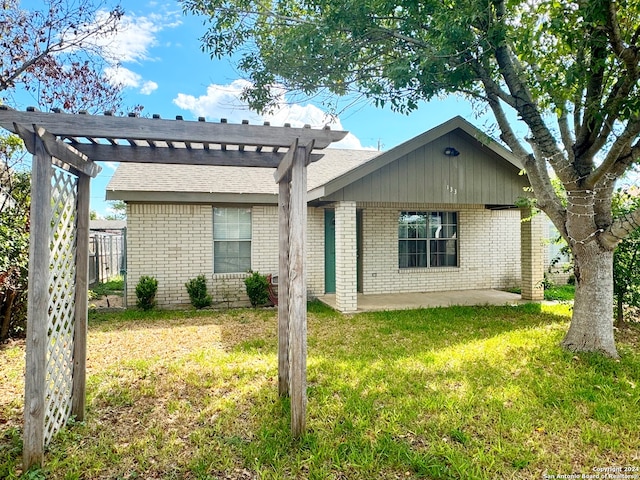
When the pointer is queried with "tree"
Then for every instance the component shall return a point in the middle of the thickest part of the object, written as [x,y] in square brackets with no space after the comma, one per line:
[15,196]
[567,70]
[57,54]
[119,210]
[626,258]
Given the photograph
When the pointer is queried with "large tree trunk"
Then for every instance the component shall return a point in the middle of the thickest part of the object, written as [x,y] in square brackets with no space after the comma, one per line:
[591,327]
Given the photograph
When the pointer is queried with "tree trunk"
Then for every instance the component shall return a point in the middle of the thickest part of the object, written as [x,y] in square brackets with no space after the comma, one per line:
[620,310]
[591,327]
[7,310]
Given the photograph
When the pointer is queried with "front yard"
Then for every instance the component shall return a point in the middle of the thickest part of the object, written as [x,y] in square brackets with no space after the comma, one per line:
[461,392]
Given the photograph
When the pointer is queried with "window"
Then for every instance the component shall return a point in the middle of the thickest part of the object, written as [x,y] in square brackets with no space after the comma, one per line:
[427,239]
[231,240]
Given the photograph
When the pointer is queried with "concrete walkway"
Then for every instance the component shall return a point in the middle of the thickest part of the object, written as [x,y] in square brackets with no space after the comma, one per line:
[404,301]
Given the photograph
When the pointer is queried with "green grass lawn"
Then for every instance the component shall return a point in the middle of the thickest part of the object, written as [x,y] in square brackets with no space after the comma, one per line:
[446,393]
[560,292]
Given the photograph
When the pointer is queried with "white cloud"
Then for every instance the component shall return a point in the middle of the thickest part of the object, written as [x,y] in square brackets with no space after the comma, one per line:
[128,78]
[223,101]
[132,43]
[220,101]
[134,37]
[123,76]
[148,87]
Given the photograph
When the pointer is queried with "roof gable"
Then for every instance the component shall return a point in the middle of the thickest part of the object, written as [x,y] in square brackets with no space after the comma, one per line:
[475,137]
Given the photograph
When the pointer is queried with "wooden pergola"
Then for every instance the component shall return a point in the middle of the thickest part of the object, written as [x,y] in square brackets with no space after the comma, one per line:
[65,148]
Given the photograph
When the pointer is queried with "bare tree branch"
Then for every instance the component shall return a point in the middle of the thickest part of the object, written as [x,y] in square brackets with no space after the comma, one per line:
[620,229]
[565,134]
[628,55]
[527,108]
[622,145]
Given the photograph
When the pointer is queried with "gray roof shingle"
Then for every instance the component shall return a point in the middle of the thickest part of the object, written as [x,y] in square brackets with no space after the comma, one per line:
[148,177]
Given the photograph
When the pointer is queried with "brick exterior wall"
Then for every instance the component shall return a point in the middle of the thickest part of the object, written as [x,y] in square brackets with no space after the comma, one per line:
[488,251]
[533,255]
[174,243]
[315,252]
[346,253]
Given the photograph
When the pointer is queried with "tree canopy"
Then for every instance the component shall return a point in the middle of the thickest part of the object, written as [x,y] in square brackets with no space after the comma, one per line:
[567,70]
[55,54]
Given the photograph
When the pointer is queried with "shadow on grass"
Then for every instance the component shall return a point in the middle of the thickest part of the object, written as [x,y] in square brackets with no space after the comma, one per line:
[462,392]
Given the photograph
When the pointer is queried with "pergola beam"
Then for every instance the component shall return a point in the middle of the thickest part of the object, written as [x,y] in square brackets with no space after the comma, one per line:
[57,149]
[159,130]
[287,161]
[184,156]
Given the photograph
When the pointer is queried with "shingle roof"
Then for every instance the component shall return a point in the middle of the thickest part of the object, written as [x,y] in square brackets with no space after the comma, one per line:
[103,224]
[148,177]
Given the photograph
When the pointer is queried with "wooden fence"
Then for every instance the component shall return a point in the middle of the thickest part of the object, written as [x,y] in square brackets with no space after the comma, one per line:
[107,256]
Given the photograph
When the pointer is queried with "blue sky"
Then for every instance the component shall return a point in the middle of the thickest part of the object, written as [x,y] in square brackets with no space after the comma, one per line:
[162,68]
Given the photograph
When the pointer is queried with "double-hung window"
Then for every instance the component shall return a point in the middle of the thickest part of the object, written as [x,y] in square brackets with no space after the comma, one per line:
[427,239]
[231,240]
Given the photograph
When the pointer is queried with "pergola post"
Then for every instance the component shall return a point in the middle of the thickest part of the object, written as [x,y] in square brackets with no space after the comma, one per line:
[81,299]
[284,197]
[291,176]
[298,292]
[37,307]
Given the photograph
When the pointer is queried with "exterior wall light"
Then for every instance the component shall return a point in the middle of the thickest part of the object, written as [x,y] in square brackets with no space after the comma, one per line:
[451,152]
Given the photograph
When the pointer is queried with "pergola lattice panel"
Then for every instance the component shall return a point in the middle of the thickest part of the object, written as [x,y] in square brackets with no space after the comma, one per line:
[61,305]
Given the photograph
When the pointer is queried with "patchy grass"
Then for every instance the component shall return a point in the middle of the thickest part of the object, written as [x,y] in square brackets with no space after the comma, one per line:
[461,392]
[560,292]
[115,286]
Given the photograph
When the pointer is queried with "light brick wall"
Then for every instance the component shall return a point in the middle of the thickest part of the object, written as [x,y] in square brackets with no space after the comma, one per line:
[172,243]
[315,252]
[533,255]
[265,245]
[488,251]
[346,253]
[505,248]
[264,239]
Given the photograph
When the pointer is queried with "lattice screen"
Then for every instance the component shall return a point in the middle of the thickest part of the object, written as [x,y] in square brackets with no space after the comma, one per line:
[61,308]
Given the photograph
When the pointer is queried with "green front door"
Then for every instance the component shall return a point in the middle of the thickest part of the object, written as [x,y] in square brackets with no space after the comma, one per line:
[329,251]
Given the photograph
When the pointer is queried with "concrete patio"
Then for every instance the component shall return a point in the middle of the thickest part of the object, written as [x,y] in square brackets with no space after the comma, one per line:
[405,301]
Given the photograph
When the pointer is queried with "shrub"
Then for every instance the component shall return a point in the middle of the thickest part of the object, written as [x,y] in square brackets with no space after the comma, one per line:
[146,292]
[197,290]
[15,202]
[257,289]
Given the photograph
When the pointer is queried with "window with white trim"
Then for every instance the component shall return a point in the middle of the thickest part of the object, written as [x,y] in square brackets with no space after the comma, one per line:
[427,239]
[231,240]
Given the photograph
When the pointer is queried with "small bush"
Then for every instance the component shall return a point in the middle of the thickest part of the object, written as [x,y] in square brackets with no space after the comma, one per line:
[197,290]
[146,292]
[257,289]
